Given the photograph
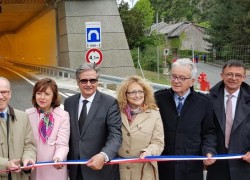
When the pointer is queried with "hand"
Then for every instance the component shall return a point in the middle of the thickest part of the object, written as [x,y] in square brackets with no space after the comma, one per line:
[14,165]
[246,157]
[57,166]
[28,164]
[143,154]
[96,162]
[209,161]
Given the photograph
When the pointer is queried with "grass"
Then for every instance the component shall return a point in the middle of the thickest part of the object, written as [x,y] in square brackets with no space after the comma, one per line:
[153,77]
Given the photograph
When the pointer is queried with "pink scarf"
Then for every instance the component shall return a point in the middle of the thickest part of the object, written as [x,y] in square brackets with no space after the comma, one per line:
[131,113]
[46,124]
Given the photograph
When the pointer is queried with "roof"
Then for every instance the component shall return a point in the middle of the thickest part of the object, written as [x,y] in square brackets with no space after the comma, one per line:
[171,30]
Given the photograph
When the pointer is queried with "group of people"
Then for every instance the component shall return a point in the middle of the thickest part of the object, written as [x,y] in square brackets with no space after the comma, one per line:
[138,123]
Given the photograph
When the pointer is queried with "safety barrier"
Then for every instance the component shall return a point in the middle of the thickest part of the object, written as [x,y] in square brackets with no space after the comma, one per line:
[63,72]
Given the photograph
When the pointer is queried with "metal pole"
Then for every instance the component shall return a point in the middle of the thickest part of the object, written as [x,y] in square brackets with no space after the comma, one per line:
[158,69]
[192,52]
[140,63]
[158,75]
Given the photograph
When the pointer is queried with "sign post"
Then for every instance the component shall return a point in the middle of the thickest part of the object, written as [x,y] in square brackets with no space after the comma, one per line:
[93,35]
[94,55]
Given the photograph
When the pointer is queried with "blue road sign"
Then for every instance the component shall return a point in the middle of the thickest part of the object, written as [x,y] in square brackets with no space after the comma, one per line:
[93,35]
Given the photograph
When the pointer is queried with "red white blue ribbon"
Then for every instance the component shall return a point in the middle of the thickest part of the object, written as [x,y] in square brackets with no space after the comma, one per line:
[138,160]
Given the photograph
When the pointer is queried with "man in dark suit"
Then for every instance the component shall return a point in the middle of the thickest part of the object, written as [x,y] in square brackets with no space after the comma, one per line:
[234,137]
[95,128]
[187,122]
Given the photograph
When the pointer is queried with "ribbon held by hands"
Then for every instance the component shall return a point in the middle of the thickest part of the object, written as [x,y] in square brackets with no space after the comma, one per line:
[138,160]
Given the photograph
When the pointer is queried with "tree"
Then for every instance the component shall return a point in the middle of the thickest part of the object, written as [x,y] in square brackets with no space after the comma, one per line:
[133,26]
[239,30]
[147,13]
[220,22]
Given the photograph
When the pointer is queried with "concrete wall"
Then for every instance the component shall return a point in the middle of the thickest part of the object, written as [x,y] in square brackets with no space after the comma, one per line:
[35,43]
[72,16]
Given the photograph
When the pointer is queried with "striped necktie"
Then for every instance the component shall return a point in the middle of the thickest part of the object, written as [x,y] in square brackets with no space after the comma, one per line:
[229,119]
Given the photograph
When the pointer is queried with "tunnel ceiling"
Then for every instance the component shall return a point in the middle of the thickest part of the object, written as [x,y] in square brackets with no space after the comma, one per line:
[16,13]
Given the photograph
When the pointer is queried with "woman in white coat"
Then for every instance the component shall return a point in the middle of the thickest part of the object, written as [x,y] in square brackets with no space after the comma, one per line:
[142,129]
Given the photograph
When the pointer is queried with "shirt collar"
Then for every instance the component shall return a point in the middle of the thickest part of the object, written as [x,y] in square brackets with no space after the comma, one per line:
[5,113]
[235,94]
[185,95]
[90,99]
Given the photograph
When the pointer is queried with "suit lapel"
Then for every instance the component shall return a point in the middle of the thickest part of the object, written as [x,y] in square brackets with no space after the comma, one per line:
[125,122]
[218,104]
[75,107]
[93,108]
[241,112]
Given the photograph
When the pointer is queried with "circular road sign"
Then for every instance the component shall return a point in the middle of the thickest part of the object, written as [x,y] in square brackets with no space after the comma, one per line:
[94,55]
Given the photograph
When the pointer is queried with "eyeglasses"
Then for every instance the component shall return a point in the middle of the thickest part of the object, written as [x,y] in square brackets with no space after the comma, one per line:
[4,93]
[133,93]
[237,76]
[178,78]
[85,81]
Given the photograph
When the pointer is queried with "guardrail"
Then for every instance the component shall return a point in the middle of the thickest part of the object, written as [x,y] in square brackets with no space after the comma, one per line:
[70,73]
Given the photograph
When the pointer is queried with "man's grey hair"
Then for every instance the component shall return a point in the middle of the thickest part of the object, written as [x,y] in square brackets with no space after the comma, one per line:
[187,63]
[86,67]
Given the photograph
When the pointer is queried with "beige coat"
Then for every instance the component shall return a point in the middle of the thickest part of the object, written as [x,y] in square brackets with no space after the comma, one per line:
[21,142]
[144,134]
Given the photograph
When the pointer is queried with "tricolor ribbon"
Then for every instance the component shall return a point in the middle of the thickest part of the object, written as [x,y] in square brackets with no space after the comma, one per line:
[138,160]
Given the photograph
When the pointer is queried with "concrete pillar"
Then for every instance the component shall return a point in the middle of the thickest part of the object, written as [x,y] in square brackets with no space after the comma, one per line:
[72,15]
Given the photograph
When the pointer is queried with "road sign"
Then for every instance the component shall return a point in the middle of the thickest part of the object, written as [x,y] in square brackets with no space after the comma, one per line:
[93,35]
[166,52]
[94,55]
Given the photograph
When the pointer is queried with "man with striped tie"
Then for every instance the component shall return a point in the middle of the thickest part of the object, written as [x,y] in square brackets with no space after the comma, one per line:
[231,103]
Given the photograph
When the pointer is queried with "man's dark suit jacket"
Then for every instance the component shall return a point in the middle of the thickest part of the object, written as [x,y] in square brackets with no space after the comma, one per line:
[190,133]
[239,138]
[101,133]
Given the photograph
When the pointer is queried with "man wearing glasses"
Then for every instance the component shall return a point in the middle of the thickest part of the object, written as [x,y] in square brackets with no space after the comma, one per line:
[231,103]
[16,138]
[95,128]
[188,124]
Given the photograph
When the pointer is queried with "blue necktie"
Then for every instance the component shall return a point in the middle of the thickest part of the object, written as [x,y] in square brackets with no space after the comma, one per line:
[180,104]
[2,115]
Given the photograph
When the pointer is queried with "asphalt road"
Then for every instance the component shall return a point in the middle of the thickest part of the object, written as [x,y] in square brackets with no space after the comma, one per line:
[213,73]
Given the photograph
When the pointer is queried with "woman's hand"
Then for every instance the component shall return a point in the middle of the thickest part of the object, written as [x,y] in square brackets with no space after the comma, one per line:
[57,166]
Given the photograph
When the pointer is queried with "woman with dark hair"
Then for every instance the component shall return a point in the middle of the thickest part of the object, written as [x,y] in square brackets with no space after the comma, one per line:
[50,125]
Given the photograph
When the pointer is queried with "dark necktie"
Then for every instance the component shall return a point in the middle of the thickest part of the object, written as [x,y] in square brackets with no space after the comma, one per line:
[83,115]
[229,119]
[2,115]
[180,104]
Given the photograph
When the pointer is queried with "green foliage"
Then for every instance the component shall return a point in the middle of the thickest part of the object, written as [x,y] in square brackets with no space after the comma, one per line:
[177,41]
[146,11]
[204,24]
[148,54]
[227,22]
[133,26]
[229,28]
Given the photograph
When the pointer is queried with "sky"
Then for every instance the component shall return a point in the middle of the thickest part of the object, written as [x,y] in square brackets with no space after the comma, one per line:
[129,2]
